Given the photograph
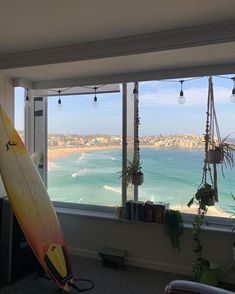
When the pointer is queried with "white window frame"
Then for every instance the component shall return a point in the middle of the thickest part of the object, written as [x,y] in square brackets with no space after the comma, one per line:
[33,146]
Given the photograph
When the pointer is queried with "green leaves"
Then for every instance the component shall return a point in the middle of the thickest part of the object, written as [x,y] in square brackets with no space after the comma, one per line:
[174,227]
[132,169]
[190,202]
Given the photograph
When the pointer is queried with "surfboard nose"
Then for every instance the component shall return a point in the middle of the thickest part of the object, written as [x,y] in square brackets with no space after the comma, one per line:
[58,266]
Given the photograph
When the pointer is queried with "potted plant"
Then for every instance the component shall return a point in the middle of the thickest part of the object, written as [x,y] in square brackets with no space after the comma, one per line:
[174,227]
[221,152]
[204,271]
[215,156]
[216,151]
[133,173]
[205,196]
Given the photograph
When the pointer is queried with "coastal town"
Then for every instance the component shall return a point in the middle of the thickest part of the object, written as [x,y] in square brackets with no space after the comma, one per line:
[159,141]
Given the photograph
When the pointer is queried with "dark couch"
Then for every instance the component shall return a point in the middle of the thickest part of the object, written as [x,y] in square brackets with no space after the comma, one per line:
[188,287]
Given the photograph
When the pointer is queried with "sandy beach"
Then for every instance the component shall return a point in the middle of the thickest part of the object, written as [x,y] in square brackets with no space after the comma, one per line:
[55,153]
[212,210]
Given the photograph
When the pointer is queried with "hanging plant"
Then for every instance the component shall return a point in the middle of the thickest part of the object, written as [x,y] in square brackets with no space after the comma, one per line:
[218,151]
[133,171]
[174,227]
[205,196]
[207,193]
[221,152]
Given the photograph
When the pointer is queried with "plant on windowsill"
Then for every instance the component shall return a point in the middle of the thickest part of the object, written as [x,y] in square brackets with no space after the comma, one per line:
[174,227]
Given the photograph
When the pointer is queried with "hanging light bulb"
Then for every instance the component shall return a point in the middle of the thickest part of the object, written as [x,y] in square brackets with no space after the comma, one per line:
[232,97]
[181,98]
[59,104]
[95,100]
[27,103]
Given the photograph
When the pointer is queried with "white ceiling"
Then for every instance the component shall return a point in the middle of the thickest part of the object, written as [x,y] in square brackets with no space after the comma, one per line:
[49,42]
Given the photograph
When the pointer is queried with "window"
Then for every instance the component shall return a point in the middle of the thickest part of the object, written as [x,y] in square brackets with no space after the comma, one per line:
[172,143]
[19,111]
[84,149]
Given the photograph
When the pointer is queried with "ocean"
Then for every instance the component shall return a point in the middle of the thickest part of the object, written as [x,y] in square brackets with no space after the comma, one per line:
[170,175]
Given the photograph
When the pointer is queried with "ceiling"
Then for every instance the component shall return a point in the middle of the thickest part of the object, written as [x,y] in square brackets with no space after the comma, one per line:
[73,42]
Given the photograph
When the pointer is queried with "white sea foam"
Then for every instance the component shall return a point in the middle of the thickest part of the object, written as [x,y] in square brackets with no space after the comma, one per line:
[74,175]
[113,189]
[81,157]
[152,198]
[52,166]
[79,173]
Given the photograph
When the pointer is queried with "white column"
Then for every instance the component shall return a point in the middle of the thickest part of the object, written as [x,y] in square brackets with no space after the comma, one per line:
[36,131]
[7,96]
[7,102]
[130,105]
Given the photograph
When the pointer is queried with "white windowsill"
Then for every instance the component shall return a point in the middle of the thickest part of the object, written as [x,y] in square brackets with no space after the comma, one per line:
[85,212]
[220,228]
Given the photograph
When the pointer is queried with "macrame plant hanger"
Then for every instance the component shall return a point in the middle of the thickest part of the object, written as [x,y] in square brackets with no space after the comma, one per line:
[212,139]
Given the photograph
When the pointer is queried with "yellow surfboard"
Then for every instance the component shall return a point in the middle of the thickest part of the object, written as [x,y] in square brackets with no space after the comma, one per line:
[31,205]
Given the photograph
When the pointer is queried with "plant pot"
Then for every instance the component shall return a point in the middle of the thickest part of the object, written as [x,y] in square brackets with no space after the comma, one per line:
[209,275]
[214,156]
[137,179]
[206,196]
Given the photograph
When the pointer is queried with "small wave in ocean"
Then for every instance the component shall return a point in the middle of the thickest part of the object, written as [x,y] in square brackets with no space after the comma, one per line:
[113,189]
[52,166]
[79,173]
[81,158]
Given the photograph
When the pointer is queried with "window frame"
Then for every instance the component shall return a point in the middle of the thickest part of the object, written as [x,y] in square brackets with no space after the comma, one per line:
[187,217]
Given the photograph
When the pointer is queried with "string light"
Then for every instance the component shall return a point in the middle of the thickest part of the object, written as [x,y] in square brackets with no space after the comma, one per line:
[181,98]
[232,97]
[27,103]
[95,100]
[59,104]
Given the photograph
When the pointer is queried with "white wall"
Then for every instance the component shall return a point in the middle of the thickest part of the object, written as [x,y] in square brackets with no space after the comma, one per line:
[147,244]
[7,96]
[7,102]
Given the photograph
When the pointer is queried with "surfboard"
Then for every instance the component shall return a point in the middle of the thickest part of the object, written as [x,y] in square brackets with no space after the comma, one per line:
[32,206]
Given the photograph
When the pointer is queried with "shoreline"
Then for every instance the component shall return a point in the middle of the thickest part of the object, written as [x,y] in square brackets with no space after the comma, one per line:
[212,210]
[56,153]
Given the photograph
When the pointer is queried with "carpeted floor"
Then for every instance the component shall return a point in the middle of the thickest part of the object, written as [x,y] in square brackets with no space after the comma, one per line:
[128,280]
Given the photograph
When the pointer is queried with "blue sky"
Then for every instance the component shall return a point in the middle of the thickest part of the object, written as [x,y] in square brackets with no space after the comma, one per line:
[160,112]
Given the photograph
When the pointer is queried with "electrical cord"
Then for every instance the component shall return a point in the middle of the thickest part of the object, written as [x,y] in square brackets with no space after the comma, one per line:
[43,274]
[71,284]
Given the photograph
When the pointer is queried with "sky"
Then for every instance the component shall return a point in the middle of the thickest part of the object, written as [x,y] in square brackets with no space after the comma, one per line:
[160,112]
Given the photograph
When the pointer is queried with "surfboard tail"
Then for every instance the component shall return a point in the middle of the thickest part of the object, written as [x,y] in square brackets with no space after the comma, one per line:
[58,266]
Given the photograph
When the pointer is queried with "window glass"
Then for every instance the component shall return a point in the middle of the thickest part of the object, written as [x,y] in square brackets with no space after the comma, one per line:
[19,111]
[172,143]
[84,149]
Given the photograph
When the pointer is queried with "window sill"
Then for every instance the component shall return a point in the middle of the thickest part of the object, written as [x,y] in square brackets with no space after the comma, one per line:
[220,228]
[85,212]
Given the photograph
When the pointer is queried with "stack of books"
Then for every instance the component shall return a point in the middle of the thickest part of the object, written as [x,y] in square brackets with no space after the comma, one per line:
[149,212]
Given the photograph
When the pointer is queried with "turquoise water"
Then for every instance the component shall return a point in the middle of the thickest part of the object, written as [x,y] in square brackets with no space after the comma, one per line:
[171,175]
